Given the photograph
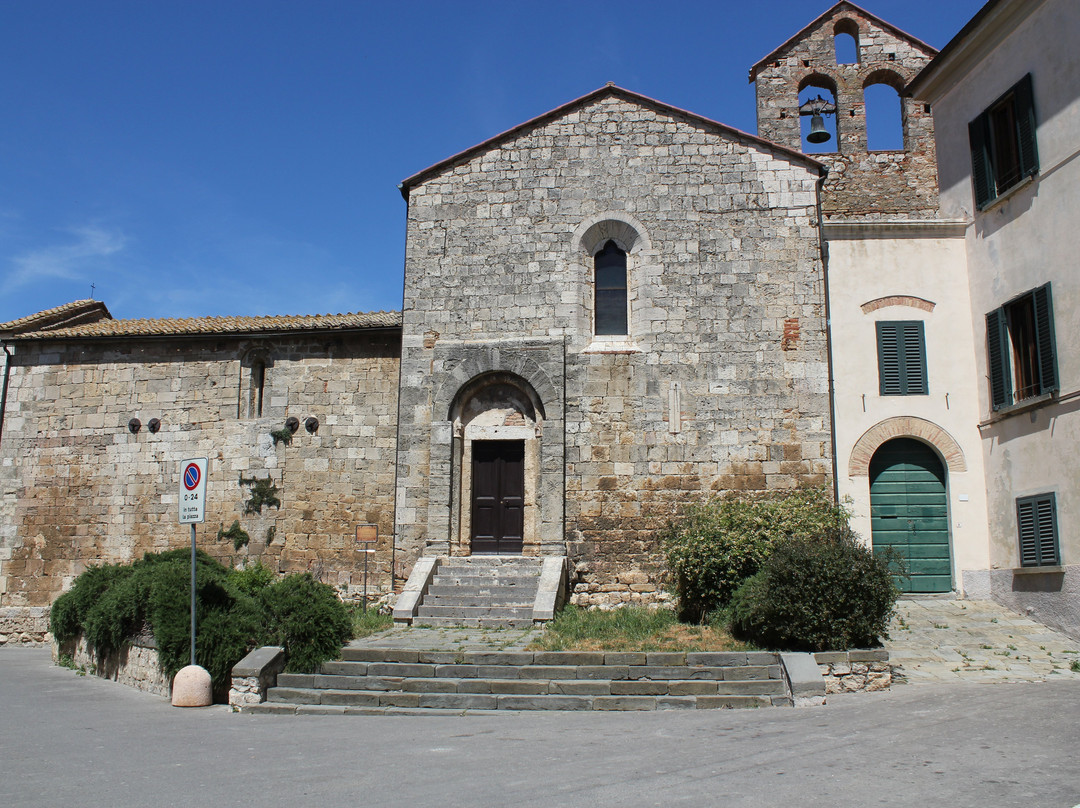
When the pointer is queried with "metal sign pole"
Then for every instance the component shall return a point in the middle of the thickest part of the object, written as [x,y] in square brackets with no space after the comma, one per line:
[365,581]
[192,593]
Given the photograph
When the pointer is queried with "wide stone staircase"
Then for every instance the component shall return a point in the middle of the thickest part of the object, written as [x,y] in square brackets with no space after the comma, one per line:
[387,681]
[481,591]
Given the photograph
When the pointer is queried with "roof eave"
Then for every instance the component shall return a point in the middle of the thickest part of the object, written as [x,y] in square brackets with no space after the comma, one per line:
[608,89]
[993,21]
[61,336]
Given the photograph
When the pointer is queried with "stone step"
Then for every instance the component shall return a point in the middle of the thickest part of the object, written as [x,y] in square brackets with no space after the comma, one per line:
[384,675]
[499,581]
[518,602]
[473,622]
[296,700]
[490,594]
[508,685]
[488,561]
[741,661]
[471,612]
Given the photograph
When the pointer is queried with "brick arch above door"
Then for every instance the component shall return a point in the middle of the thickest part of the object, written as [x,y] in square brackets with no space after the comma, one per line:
[905,426]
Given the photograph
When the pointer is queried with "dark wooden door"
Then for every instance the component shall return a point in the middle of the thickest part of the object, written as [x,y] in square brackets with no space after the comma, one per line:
[498,506]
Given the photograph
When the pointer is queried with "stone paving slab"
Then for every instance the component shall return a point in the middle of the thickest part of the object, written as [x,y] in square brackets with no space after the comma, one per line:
[935,640]
[423,638]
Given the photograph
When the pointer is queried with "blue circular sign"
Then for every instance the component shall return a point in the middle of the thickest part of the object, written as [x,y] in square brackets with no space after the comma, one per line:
[192,475]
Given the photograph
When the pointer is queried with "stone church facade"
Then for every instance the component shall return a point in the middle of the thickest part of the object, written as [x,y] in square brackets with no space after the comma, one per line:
[715,378]
[611,310]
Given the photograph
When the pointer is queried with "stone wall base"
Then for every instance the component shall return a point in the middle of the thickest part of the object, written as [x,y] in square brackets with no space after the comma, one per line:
[24,625]
[854,671]
[135,665]
[1050,595]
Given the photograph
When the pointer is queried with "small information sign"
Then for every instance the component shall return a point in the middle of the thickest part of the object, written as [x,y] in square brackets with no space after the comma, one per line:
[367,534]
[193,491]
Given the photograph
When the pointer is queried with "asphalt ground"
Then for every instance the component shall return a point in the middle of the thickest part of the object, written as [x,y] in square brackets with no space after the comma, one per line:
[67,740]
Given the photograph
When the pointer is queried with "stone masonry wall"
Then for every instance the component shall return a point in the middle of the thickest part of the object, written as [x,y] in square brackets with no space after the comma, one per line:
[861,183]
[722,382]
[78,488]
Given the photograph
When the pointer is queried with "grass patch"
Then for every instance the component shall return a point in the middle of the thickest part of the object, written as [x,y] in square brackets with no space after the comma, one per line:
[633,628]
[364,624]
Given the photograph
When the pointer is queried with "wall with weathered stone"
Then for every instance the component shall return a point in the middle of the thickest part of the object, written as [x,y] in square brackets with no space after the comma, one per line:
[721,383]
[861,183]
[78,488]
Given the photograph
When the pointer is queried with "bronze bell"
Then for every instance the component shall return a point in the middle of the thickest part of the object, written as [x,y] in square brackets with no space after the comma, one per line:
[818,133]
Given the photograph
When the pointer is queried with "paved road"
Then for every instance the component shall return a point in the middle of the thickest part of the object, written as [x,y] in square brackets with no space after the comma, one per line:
[69,741]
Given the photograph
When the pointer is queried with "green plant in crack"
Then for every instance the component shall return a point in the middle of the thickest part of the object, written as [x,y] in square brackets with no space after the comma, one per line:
[1075,666]
[239,536]
[264,493]
[283,435]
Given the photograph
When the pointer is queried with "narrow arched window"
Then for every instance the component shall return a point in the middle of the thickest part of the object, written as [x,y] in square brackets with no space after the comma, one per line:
[610,265]
[255,389]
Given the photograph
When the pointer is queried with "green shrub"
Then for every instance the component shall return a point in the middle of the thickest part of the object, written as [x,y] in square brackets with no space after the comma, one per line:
[716,545]
[306,618]
[816,594]
[236,610]
[69,611]
[253,578]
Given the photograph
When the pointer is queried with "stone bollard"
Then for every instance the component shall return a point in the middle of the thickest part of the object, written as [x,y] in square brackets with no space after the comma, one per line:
[192,687]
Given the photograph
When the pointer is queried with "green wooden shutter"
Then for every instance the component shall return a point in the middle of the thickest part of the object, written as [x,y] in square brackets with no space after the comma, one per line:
[913,357]
[997,359]
[1036,521]
[1024,99]
[889,373]
[1025,525]
[981,174]
[1044,335]
[901,358]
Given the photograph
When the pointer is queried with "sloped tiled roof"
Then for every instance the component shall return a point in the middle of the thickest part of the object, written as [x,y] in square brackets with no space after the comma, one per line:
[77,312]
[843,5]
[609,89]
[212,326]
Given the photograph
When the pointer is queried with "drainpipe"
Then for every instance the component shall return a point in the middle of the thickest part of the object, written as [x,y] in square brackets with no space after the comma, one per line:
[828,333]
[3,393]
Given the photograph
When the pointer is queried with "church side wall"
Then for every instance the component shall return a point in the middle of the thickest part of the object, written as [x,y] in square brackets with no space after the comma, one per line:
[78,488]
[721,383]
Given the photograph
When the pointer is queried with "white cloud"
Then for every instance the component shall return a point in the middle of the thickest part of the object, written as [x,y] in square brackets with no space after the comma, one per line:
[67,261]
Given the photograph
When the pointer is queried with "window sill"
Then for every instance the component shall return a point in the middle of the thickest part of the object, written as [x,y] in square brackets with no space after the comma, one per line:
[1008,194]
[1037,570]
[612,345]
[1028,404]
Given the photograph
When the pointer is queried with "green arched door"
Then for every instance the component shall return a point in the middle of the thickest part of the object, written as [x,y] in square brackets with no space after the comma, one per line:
[909,512]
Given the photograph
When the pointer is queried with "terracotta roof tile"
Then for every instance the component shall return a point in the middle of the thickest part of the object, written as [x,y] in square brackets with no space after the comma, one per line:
[222,325]
[70,314]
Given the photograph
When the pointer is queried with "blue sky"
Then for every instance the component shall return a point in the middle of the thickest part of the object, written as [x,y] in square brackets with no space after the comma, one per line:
[194,157]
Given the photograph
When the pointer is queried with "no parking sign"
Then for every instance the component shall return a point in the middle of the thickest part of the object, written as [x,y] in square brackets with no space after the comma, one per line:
[193,491]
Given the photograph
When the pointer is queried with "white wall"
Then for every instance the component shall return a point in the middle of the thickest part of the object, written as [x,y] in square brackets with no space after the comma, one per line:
[876,260]
[1027,238]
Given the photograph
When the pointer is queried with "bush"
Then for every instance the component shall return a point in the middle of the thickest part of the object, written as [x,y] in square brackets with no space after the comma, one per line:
[715,546]
[817,594]
[69,611]
[306,618]
[236,610]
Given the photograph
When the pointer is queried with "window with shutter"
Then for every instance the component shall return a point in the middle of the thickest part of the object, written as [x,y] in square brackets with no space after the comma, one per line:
[1003,144]
[1020,349]
[902,358]
[1036,523]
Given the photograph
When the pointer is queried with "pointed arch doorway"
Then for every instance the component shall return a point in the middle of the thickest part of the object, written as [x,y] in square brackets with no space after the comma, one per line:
[909,513]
